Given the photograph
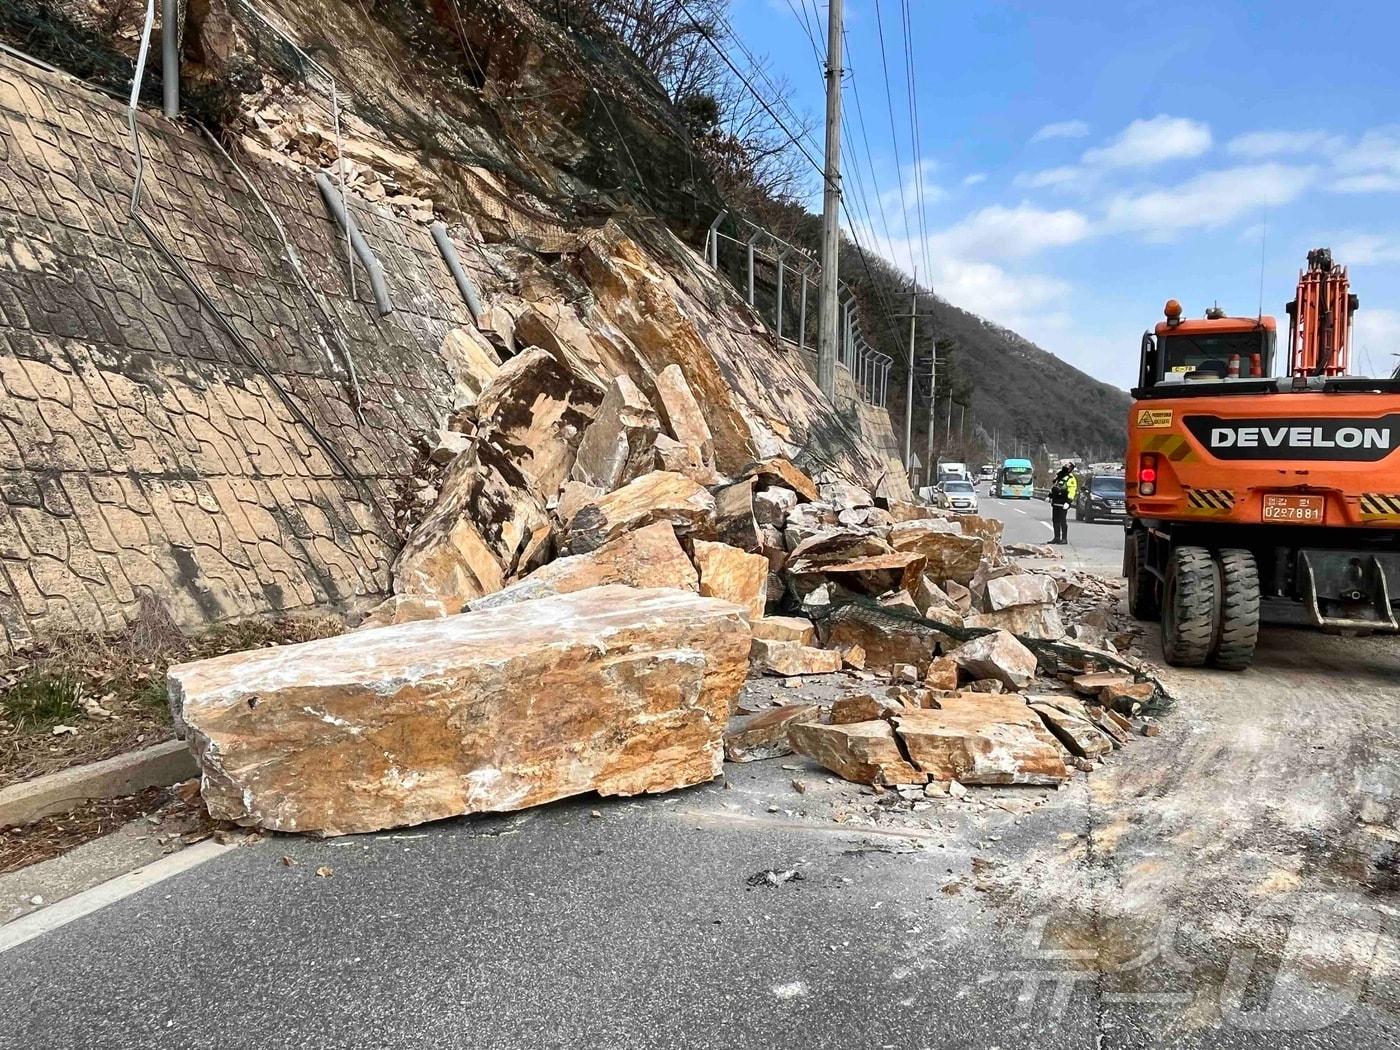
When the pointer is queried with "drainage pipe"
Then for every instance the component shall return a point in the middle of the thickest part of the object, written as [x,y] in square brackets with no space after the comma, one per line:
[459,274]
[170,55]
[363,252]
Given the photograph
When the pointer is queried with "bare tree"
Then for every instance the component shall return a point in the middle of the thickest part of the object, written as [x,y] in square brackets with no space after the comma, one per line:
[750,154]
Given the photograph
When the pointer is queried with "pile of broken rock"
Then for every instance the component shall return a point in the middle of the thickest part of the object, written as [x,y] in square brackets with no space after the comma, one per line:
[580,605]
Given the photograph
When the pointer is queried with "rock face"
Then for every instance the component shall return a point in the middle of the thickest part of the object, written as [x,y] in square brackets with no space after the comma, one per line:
[612,689]
[733,575]
[658,496]
[755,737]
[649,557]
[865,752]
[1029,621]
[982,739]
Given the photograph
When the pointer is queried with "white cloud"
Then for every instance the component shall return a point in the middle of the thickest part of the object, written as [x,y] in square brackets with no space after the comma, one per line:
[1146,142]
[1208,200]
[1049,177]
[988,290]
[1376,182]
[1374,336]
[1001,232]
[975,178]
[1367,249]
[1061,129]
[1260,144]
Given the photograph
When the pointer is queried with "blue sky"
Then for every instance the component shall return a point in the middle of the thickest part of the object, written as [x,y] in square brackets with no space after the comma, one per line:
[1084,161]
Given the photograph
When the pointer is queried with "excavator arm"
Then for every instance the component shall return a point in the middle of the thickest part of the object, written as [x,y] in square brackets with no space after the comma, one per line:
[1319,318]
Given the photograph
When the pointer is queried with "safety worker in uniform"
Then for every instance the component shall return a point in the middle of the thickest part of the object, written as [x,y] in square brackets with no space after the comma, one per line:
[1062,493]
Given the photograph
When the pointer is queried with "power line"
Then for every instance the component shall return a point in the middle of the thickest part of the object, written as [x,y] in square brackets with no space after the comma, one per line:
[914,127]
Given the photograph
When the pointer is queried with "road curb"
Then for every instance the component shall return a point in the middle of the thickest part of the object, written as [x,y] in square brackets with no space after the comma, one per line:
[165,763]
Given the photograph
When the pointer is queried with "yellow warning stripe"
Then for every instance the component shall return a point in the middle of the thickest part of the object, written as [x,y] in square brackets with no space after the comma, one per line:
[1379,505]
[1173,446]
[1211,499]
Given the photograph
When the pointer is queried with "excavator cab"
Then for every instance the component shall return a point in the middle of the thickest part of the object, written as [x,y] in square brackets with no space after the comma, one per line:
[1211,350]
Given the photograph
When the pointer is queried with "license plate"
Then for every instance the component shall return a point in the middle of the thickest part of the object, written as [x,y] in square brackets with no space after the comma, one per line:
[1302,509]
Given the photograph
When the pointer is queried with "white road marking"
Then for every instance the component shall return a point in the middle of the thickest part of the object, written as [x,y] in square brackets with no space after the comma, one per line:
[46,920]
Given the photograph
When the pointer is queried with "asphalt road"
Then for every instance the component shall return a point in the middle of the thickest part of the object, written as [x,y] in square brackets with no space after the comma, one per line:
[1093,546]
[1230,882]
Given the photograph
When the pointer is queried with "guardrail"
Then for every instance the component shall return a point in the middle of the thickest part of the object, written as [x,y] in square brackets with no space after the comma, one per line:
[792,266]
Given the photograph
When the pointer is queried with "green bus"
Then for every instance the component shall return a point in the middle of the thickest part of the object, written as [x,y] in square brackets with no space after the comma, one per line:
[1016,479]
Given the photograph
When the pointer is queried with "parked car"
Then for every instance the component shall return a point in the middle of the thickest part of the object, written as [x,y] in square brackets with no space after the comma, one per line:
[1100,496]
[955,495]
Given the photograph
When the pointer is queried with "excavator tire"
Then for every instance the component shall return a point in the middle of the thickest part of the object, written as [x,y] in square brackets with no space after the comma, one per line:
[1143,601]
[1239,610]
[1190,607]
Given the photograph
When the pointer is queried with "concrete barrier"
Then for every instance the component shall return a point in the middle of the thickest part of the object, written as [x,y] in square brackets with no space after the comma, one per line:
[166,763]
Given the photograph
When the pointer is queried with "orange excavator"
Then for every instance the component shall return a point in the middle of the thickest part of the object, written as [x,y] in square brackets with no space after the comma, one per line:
[1260,497]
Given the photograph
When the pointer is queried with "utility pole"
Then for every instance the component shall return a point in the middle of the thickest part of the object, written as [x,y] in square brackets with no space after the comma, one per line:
[828,336]
[909,389]
[929,475]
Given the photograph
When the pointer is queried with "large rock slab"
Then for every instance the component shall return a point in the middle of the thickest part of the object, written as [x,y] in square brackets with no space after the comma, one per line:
[612,689]
[865,752]
[784,629]
[1069,720]
[658,496]
[649,557]
[734,575]
[982,739]
[778,471]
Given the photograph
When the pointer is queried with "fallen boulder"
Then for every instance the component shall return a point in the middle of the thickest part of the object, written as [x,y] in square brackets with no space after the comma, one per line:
[683,415]
[612,689]
[1010,591]
[982,739]
[997,656]
[886,639]
[657,496]
[784,472]
[753,738]
[619,445]
[1028,621]
[792,659]
[865,752]
[784,629]
[948,555]
[734,575]
[649,557]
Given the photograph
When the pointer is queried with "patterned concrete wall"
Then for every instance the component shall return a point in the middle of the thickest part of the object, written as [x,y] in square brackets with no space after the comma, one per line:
[141,446]
[146,449]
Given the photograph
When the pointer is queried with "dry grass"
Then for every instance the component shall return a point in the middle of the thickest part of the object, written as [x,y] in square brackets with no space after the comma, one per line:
[110,689]
[176,816]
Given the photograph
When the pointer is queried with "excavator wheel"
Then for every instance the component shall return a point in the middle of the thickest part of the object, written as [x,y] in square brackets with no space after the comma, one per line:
[1143,601]
[1239,610]
[1190,605]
